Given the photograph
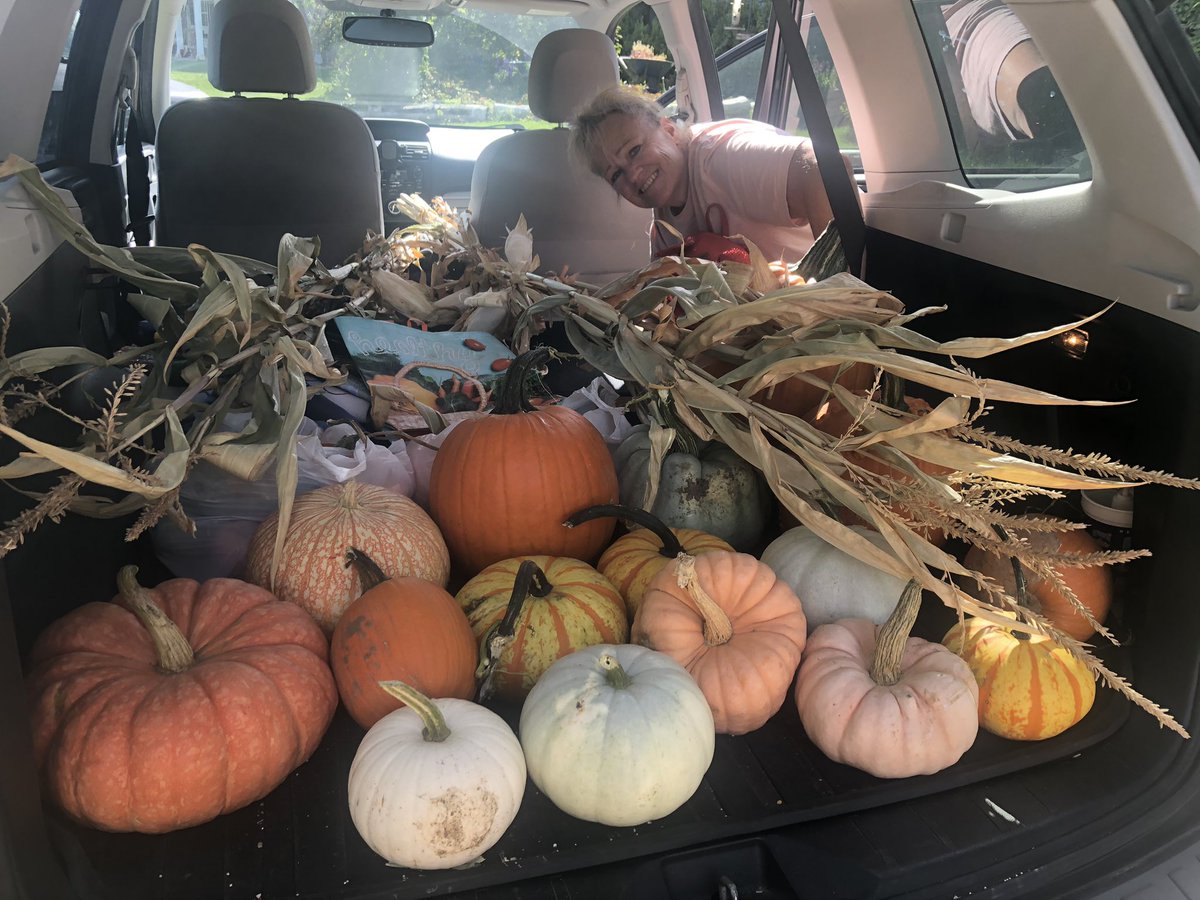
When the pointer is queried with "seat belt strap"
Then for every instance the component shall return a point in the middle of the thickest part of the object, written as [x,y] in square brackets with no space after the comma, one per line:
[842,192]
[137,183]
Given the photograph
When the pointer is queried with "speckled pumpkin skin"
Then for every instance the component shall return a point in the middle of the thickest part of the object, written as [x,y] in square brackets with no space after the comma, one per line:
[633,560]
[1029,690]
[581,610]
[125,747]
[391,529]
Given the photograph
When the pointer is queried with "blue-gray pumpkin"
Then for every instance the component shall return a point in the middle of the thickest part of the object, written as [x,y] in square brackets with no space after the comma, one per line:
[714,490]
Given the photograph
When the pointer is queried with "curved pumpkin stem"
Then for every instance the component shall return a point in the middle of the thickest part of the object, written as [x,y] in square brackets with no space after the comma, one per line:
[1021,585]
[436,730]
[893,635]
[717,627]
[614,674]
[175,654]
[513,394]
[671,548]
[369,573]
[530,580]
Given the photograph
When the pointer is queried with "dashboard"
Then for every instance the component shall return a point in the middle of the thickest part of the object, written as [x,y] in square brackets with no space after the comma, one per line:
[433,161]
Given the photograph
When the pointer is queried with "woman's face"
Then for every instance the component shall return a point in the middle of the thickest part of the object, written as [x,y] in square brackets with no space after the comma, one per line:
[643,160]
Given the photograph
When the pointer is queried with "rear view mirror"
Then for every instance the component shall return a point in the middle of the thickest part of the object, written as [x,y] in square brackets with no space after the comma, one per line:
[386,31]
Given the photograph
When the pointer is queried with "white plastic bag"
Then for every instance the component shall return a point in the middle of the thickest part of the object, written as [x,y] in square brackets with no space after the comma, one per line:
[597,402]
[227,510]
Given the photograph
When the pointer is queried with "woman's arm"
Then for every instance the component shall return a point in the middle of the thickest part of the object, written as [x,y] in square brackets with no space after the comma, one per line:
[808,202]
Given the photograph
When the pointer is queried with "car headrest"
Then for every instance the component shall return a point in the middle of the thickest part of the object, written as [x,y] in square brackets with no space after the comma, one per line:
[568,68]
[260,45]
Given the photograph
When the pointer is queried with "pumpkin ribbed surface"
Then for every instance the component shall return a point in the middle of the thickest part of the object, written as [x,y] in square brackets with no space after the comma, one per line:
[405,629]
[125,746]
[1028,689]
[633,559]
[744,676]
[389,527]
[502,485]
[582,608]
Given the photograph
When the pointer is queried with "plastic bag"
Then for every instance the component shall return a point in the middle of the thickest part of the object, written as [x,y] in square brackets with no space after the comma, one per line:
[227,510]
[597,402]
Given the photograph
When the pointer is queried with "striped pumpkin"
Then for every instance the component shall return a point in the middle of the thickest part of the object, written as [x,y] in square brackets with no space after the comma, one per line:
[572,607]
[1029,687]
[389,527]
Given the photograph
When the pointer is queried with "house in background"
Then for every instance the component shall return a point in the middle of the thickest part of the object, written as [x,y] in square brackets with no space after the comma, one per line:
[191,34]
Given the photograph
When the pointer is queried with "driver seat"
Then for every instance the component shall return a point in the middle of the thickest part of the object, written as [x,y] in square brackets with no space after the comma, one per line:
[237,173]
[578,221]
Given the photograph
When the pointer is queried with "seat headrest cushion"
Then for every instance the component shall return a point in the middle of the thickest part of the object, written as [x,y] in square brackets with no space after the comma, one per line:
[568,68]
[260,45]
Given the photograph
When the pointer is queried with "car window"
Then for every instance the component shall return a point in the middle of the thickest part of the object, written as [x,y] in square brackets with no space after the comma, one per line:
[1011,124]
[831,91]
[476,73]
[48,145]
[738,71]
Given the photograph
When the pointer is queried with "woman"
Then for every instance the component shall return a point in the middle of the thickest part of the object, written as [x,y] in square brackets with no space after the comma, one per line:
[733,177]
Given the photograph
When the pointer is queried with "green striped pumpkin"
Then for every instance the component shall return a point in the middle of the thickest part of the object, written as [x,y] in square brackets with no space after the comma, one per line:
[576,607]
[1030,689]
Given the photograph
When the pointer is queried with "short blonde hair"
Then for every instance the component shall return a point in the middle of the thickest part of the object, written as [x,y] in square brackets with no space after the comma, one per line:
[614,101]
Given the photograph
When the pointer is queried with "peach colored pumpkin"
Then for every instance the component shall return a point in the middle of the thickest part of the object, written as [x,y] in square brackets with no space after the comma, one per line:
[176,704]
[739,630]
[892,705]
[389,527]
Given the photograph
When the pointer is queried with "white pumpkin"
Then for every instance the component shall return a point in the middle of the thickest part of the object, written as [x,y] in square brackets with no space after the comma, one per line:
[435,785]
[617,734]
[830,583]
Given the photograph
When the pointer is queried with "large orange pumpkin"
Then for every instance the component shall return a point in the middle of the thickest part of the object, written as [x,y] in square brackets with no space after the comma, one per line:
[400,629]
[550,606]
[727,619]
[1092,585]
[176,704]
[325,523]
[632,560]
[833,418]
[502,485]
[794,395]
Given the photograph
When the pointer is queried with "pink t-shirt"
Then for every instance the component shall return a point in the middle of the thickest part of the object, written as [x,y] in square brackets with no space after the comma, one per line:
[737,184]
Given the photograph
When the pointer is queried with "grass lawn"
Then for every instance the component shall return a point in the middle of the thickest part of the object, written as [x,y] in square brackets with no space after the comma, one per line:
[194,73]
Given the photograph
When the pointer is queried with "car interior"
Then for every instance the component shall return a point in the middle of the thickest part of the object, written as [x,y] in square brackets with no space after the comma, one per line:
[986,237]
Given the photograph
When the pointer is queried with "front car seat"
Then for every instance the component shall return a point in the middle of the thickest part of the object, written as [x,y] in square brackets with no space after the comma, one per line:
[236,173]
[578,221]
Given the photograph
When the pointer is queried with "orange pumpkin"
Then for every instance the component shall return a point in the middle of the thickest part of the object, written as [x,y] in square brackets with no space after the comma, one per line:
[795,395]
[633,559]
[502,485]
[833,418]
[400,629]
[324,525]
[176,704]
[1092,585]
[544,607]
[727,619]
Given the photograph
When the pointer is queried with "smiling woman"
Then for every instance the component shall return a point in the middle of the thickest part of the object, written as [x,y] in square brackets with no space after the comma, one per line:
[736,177]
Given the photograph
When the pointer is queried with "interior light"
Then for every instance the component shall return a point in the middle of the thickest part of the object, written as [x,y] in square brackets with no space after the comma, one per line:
[1074,343]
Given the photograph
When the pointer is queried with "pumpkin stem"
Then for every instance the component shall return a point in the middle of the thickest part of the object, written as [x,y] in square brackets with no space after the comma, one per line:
[530,580]
[369,573]
[893,634]
[1021,585]
[671,548]
[616,676]
[717,627]
[175,654]
[436,730]
[513,394]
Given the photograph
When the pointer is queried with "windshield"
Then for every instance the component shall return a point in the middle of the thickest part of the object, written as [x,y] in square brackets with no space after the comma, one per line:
[476,73]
